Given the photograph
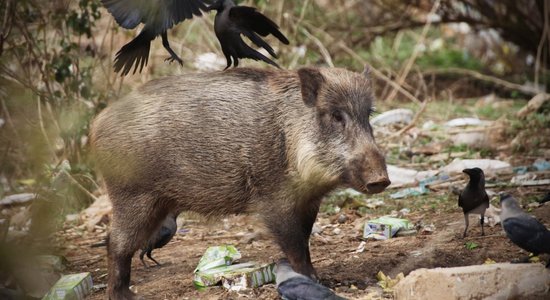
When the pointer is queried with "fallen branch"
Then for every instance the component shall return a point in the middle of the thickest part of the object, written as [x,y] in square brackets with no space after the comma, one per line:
[483,77]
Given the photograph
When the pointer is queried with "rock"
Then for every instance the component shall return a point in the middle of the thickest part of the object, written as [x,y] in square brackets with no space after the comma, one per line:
[460,122]
[400,115]
[494,281]
[17,199]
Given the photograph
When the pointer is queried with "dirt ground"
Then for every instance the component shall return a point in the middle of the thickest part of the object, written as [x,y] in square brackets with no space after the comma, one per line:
[351,274]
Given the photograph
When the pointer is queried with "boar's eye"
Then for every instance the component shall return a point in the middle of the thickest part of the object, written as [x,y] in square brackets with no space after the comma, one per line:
[338,117]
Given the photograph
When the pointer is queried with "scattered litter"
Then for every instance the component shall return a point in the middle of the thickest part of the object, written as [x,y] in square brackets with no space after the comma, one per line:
[400,115]
[235,277]
[427,229]
[457,165]
[460,122]
[471,139]
[434,179]
[414,191]
[403,233]
[386,282]
[415,253]
[492,215]
[374,203]
[541,164]
[489,261]
[518,179]
[216,266]
[348,192]
[361,247]
[384,227]
[520,169]
[183,231]
[17,199]
[247,278]
[401,176]
[217,256]
[403,212]
[73,286]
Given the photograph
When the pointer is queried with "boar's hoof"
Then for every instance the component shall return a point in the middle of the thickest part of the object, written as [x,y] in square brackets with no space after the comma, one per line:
[124,295]
[378,186]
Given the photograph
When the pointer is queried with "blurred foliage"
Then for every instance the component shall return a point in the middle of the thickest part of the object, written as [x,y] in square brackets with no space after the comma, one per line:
[48,98]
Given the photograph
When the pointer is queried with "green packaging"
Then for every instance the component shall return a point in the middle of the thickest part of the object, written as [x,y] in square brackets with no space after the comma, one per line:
[384,227]
[71,287]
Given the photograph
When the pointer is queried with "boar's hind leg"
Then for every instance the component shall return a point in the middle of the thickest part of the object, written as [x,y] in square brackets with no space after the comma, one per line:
[292,229]
[134,220]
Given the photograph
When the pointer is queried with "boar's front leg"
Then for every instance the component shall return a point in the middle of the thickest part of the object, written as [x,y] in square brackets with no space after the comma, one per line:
[291,227]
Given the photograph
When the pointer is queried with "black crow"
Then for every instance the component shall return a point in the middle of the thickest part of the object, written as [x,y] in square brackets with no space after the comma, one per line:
[159,240]
[474,199]
[523,229]
[165,233]
[157,17]
[295,286]
[232,21]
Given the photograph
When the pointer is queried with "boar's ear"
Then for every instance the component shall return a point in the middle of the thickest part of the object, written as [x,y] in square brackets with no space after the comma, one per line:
[311,81]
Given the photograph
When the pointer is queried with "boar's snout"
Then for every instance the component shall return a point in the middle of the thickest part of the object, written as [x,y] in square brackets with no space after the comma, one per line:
[378,185]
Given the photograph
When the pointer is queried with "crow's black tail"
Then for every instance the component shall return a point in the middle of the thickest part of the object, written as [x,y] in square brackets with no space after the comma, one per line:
[135,52]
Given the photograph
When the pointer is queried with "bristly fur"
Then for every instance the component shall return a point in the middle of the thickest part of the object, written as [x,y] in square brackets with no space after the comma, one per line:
[244,140]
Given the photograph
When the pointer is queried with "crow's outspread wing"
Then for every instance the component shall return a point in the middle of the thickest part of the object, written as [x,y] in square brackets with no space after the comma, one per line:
[249,19]
[158,16]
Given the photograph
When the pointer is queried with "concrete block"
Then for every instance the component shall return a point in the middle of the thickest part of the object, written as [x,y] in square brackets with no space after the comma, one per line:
[494,281]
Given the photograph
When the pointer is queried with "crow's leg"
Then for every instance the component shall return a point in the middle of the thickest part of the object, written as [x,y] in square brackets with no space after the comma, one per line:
[481,221]
[151,258]
[142,260]
[467,222]
[166,45]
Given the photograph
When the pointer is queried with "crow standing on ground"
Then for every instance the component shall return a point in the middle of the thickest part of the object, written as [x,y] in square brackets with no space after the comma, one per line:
[165,233]
[295,286]
[159,240]
[157,17]
[522,229]
[474,199]
[232,21]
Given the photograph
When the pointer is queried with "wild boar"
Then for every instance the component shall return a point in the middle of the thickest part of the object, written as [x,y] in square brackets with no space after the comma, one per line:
[272,142]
